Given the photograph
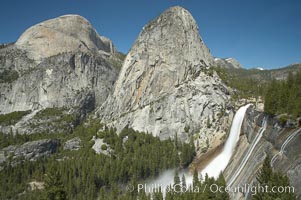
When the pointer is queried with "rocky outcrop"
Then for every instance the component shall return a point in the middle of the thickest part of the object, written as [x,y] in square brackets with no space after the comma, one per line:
[100,147]
[67,33]
[28,151]
[287,162]
[165,87]
[73,144]
[287,154]
[62,62]
[46,121]
[67,80]
[229,63]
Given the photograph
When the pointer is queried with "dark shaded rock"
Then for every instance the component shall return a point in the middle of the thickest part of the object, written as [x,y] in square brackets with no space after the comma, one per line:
[73,144]
[28,151]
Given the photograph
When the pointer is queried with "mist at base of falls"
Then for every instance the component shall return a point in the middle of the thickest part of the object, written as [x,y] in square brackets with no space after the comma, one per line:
[214,168]
[166,179]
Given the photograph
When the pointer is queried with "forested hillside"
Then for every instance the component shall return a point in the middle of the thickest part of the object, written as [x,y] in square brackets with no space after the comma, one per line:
[82,174]
[284,96]
[242,81]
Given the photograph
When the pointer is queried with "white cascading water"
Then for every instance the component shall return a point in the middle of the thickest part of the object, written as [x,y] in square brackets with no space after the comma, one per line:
[216,166]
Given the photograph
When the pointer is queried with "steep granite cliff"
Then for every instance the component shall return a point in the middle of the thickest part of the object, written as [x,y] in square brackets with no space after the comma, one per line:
[62,62]
[165,86]
[274,143]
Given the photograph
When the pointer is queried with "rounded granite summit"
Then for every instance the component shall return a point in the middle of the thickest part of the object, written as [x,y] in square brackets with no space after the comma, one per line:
[168,50]
[163,86]
[66,33]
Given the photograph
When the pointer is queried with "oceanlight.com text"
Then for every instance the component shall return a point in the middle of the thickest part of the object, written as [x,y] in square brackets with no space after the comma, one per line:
[214,188]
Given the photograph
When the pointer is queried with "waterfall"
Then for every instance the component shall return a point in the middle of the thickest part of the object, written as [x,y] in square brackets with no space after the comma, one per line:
[216,166]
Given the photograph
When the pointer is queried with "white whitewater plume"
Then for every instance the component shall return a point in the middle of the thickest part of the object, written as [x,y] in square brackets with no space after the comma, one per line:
[213,169]
[166,179]
[216,166]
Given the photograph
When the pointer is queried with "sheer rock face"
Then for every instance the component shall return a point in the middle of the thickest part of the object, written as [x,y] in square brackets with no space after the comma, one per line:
[63,34]
[66,80]
[164,86]
[167,51]
[288,162]
[61,62]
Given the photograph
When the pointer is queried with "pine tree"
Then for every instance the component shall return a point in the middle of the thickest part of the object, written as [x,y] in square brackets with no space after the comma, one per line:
[265,172]
[158,195]
[222,183]
[54,188]
[195,180]
[142,195]
[169,193]
[184,185]
[266,177]
[177,181]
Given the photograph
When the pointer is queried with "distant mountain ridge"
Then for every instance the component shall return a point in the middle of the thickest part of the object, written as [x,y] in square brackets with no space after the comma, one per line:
[258,73]
[266,74]
[228,63]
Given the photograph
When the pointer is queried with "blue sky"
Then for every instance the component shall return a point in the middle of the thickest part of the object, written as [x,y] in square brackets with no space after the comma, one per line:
[258,33]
